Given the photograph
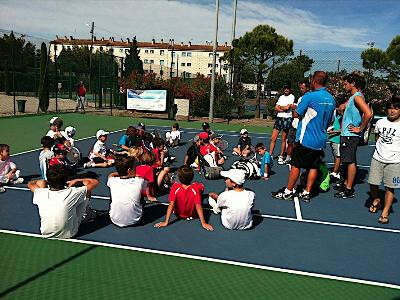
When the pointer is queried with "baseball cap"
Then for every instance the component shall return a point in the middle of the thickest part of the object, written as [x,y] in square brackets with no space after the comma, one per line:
[70,131]
[215,136]
[141,126]
[101,132]
[203,135]
[205,125]
[53,119]
[236,175]
[243,131]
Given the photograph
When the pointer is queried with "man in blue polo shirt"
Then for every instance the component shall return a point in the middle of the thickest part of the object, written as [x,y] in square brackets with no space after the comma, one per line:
[315,112]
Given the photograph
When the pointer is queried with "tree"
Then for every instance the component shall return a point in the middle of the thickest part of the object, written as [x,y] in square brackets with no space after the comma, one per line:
[43,80]
[133,61]
[374,60]
[393,54]
[256,49]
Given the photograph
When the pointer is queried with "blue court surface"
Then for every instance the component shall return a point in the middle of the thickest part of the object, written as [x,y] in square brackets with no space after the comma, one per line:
[327,236]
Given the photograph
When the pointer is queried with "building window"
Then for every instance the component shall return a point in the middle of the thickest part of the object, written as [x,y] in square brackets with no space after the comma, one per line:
[151,71]
[210,65]
[210,54]
[189,54]
[152,61]
[173,54]
[161,62]
[161,52]
[151,51]
[188,75]
[101,48]
[146,61]
[173,64]
[146,51]
[183,64]
[172,74]
[189,64]
[183,53]
[121,50]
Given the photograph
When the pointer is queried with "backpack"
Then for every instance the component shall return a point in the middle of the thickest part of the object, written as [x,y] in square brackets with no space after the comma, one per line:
[250,167]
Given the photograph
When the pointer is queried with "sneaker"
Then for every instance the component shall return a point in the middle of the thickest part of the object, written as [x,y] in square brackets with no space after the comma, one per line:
[345,193]
[287,160]
[280,160]
[305,196]
[282,195]
[235,153]
[2,189]
[339,186]
[87,165]
[18,180]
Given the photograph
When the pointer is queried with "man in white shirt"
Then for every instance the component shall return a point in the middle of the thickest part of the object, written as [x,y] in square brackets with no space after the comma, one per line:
[235,203]
[283,122]
[126,206]
[62,206]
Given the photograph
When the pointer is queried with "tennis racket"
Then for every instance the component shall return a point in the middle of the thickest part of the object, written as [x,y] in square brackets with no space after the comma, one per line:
[222,145]
[73,156]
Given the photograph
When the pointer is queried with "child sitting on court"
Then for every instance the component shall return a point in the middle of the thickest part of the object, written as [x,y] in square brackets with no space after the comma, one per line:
[185,199]
[211,154]
[45,155]
[243,147]
[126,207]
[70,133]
[174,136]
[266,161]
[8,170]
[55,128]
[99,155]
[192,154]
[235,203]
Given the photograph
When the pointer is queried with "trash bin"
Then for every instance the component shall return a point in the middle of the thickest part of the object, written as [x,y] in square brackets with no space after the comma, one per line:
[21,105]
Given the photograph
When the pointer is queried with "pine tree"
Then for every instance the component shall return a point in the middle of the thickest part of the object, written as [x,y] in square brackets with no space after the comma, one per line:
[43,80]
[133,63]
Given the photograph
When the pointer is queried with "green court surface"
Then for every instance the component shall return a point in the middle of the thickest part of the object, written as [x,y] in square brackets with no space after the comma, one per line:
[36,268]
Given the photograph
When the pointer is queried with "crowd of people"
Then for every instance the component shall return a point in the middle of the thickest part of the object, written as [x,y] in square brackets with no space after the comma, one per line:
[142,161]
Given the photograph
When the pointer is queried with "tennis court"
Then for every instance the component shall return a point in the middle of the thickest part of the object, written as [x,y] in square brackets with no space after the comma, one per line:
[327,248]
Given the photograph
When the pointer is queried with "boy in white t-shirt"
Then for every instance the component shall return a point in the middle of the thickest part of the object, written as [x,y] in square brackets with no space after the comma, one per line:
[126,206]
[385,163]
[98,156]
[45,155]
[174,136]
[55,128]
[62,206]
[235,203]
[283,122]
[8,170]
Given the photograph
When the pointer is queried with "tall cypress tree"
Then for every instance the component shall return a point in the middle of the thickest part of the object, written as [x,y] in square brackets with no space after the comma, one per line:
[133,61]
[43,80]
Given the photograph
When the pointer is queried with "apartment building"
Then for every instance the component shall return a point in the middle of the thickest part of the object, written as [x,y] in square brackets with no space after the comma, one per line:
[184,60]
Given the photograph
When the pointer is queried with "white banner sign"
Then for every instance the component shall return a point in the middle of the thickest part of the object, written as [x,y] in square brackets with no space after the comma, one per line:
[153,100]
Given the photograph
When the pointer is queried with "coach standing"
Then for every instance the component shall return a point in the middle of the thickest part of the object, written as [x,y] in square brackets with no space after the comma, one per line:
[315,112]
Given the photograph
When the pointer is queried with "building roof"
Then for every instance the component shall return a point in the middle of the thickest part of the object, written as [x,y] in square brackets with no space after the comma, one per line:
[154,45]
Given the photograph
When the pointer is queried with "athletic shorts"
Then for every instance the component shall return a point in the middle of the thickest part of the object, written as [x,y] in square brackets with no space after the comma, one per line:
[306,158]
[335,149]
[348,149]
[283,124]
[291,138]
[388,173]
[98,160]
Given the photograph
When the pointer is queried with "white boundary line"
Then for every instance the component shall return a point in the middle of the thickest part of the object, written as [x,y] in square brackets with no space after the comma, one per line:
[215,260]
[298,216]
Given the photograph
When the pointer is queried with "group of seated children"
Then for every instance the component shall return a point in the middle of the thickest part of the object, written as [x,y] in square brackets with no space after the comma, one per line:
[9,174]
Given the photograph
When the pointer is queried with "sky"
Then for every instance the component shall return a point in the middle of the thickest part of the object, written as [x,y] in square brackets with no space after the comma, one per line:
[312,24]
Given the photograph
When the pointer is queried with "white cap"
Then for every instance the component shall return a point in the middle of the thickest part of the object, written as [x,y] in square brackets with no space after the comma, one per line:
[70,131]
[236,175]
[243,131]
[53,119]
[101,132]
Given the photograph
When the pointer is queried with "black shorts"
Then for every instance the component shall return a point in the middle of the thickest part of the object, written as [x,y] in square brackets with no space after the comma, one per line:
[98,160]
[283,124]
[306,158]
[291,138]
[348,149]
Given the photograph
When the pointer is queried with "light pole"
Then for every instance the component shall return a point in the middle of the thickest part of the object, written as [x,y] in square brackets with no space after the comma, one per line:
[211,113]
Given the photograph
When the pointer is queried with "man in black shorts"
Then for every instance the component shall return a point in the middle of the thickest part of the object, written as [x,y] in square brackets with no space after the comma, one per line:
[315,112]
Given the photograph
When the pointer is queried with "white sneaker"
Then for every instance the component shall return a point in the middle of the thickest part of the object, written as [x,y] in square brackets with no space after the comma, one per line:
[87,165]
[335,175]
[18,180]
[194,165]
[2,189]
[280,160]
[288,159]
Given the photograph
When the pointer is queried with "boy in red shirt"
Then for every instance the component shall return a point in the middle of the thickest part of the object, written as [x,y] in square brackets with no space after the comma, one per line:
[207,149]
[185,199]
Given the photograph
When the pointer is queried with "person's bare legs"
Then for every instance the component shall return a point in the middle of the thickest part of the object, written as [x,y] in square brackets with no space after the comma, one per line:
[283,143]
[289,150]
[374,190]
[293,176]
[162,174]
[351,175]
[336,165]
[274,136]
[389,195]
[312,176]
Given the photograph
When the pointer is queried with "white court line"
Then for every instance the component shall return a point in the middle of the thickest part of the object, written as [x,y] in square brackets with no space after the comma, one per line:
[299,217]
[268,216]
[214,260]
